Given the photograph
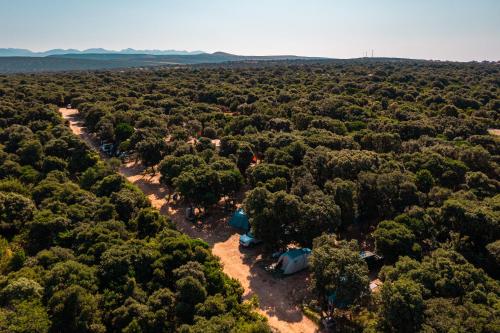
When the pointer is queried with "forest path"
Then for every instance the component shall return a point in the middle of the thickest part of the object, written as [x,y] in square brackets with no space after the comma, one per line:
[278,297]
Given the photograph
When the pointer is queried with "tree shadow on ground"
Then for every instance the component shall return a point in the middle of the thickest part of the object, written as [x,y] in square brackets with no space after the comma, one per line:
[290,290]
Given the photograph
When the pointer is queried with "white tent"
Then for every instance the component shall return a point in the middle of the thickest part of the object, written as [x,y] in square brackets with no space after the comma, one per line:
[293,261]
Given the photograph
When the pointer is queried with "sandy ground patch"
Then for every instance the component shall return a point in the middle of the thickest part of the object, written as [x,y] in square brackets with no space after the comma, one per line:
[494,131]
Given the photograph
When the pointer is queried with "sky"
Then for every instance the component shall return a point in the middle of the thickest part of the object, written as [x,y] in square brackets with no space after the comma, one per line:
[460,30]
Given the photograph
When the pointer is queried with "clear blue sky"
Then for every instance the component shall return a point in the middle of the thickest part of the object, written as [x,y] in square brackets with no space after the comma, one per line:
[430,29]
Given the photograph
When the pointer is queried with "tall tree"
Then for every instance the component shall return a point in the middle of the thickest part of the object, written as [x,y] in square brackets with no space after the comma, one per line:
[402,306]
[273,216]
[201,186]
[339,275]
[150,151]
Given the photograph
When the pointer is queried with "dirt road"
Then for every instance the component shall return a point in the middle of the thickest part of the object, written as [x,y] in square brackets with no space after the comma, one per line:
[278,297]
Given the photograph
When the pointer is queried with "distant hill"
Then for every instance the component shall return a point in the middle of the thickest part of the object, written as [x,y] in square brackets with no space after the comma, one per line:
[13,52]
[102,60]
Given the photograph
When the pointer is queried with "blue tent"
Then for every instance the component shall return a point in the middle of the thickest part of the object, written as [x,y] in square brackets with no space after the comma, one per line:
[293,260]
[240,220]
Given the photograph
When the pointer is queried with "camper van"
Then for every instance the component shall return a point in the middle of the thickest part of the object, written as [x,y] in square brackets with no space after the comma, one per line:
[248,240]
[373,260]
[107,148]
[190,216]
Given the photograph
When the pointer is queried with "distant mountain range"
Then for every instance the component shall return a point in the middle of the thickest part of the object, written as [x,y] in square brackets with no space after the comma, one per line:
[94,59]
[12,52]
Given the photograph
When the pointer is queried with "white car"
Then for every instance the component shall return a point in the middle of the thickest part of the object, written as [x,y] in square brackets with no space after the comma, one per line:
[247,240]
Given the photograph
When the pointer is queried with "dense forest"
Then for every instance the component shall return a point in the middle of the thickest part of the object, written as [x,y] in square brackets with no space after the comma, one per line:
[102,61]
[81,249]
[391,156]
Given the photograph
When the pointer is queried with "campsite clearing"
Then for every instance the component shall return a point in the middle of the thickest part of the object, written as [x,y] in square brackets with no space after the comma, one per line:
[278,298]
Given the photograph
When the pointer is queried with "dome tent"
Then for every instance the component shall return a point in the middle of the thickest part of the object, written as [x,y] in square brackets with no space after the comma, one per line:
[293,261]
[240,220]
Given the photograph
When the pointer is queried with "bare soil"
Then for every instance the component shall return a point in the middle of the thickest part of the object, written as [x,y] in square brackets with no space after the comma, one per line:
[494,131]
[278,297]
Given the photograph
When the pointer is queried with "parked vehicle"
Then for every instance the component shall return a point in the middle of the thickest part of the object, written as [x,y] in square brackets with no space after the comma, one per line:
[248,240]
[373,260]
[107,148]
[190,214]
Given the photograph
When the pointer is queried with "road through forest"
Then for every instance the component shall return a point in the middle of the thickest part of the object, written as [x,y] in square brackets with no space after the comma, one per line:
[278,298]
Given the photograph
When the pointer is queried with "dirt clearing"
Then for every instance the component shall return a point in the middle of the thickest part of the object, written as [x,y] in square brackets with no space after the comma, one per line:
[494,131]
[279,298]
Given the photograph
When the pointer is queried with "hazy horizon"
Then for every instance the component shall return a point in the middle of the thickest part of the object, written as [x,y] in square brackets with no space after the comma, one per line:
[457,30]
